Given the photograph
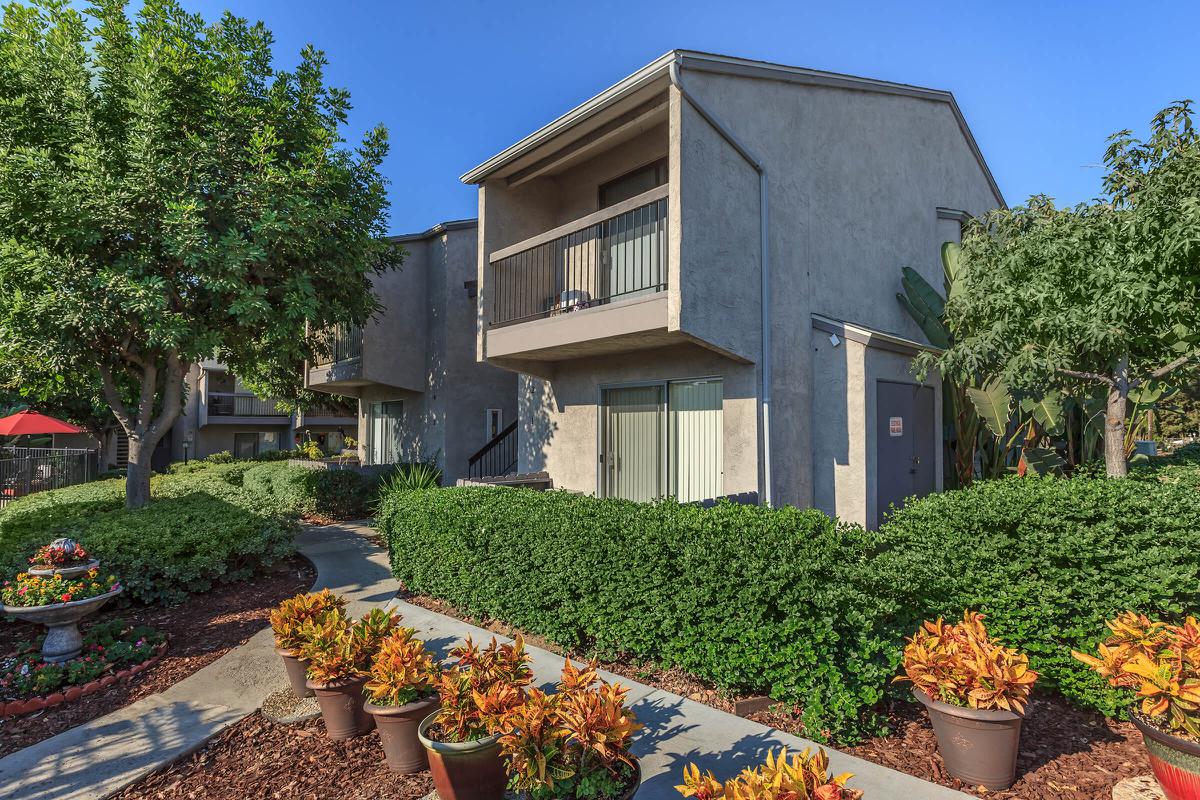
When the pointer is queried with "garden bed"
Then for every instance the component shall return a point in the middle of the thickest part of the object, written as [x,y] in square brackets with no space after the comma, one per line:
[202,629]
[257,758]
[1066,753]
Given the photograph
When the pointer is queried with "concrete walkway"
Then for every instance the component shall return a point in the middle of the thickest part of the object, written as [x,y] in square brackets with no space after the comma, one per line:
[100,758]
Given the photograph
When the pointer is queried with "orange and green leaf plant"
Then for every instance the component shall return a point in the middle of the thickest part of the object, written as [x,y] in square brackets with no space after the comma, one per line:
[803,777]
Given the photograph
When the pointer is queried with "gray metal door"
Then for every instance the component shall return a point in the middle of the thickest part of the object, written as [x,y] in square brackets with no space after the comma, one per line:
[905,441]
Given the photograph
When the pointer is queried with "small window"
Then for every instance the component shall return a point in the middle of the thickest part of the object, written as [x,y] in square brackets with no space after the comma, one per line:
[245,445]
[631,184]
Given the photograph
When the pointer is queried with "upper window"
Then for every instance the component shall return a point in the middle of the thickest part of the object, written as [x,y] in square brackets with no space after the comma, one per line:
[631,184]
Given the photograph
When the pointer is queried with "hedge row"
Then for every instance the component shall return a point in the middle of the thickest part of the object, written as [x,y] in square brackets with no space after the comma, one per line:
[746,597]
[791,603]
[201,529]
[331,494]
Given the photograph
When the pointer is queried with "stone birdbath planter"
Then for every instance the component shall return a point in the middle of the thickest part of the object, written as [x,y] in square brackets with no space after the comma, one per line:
[62,558]
[63,639]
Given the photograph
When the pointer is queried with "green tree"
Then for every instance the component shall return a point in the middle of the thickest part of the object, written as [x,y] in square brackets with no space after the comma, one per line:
[168,195]
[1103,295]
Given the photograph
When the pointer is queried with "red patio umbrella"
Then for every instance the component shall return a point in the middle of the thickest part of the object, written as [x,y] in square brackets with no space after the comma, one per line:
[31,422]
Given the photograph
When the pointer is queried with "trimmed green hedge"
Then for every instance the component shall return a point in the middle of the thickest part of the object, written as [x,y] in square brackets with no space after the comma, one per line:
[790,603]
[333,494]
[201,529]
[1048,561]
[747,597]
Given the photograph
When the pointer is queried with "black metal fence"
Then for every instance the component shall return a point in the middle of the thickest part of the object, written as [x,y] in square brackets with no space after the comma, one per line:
[497,457]
[25,470]
[342,342]
[621,256]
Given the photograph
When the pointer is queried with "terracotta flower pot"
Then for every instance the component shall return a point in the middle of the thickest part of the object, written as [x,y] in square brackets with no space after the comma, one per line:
[397,726]
[465,770]
[341,705]
[297,672]
[1175,761]
[979,747]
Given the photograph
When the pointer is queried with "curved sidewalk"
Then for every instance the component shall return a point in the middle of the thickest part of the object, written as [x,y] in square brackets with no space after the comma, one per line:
[99,758]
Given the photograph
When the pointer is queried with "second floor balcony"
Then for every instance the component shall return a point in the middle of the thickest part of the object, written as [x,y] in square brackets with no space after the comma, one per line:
[224,407]
[594,280]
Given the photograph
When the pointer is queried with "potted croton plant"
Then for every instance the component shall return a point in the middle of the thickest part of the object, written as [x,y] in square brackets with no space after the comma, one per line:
[975,691]
[294,621]
[571,744]
[805,775]
[462,744]
[339,656]
[1162,662]
[401,693]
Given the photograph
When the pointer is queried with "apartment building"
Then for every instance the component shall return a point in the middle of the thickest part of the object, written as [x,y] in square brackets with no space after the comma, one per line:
[694,275]
[221,415]
[422,395]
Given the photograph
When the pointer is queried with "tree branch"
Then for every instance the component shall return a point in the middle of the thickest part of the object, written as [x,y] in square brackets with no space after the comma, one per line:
[1088,376]
[1172,366]
[113,397]
[172,397]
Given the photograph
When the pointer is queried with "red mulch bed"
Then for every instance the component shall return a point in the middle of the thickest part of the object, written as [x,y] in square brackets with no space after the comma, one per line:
[1066,753]
[257,758]
[201,630]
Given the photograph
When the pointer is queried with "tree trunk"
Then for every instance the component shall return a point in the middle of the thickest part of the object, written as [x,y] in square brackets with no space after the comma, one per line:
[137,474]
[1115,464]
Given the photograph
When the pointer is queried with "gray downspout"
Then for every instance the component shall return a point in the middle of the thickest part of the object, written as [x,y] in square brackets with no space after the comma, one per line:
[764,389]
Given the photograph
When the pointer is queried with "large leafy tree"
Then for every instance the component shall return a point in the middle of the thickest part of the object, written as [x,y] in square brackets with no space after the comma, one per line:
[168,195]
[1105,295]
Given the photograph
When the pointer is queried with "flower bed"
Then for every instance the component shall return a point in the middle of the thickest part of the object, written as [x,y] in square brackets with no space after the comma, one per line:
[112,651]
[31,591]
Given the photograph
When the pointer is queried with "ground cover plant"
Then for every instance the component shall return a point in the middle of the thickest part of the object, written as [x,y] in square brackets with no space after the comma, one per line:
[107,648]
[203,529]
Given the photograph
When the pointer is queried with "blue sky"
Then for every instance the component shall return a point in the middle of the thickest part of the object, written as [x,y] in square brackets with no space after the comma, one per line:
[1041,84]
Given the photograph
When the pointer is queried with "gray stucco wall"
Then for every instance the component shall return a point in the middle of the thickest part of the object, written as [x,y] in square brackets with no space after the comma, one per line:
[559,425]
[394,341]
[845,456]
[444,414]
[855,182]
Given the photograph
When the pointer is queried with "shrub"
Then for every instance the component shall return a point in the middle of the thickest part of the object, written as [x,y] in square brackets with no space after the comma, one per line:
[1161,661]
[481,688]
[402,671]
[223,457]
[749,598]
[199,531]
[292,621]
[332,494]
[806,775]
[1048,561]
[959,664]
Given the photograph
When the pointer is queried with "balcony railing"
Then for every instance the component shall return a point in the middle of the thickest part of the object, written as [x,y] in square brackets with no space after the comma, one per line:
[343,342]
[227,404]
[615,253]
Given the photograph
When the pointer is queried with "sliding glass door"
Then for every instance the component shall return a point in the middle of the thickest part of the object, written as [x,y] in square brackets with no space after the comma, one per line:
[662,439]
[384,428]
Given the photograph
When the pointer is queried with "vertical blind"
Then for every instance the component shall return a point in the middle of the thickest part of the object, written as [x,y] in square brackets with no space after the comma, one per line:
[385,429]
[664,439]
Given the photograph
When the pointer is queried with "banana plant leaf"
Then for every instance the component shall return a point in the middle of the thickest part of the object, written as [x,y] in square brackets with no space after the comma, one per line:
[1043,461]
[993,404]
[1046,411]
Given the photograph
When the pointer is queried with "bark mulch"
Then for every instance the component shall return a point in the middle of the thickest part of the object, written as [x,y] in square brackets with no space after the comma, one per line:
[201,630]
[258,759]
[1066,753]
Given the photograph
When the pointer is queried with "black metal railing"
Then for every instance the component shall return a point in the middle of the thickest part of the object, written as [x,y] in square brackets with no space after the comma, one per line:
[342,342]
[497,457]
[25,470]
[605,259]
[230,404]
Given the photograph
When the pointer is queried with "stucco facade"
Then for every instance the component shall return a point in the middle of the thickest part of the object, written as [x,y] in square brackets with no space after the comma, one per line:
[844,180]
[418,359]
